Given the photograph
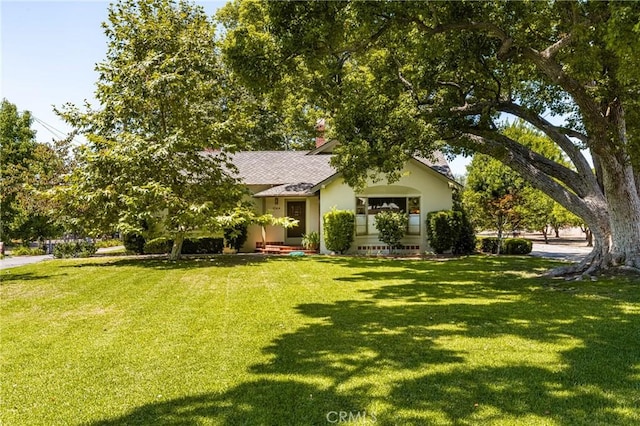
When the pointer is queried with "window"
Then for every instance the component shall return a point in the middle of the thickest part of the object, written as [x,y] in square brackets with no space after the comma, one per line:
[367,208]
[361,216]
[414,216]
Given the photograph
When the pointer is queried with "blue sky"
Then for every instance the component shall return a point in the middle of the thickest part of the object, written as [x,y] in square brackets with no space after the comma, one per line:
[49,50]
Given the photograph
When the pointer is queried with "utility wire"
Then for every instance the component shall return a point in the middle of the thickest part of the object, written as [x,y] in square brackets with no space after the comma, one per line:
[55,132]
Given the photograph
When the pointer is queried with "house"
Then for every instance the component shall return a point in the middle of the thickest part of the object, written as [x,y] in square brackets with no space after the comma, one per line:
[304,186]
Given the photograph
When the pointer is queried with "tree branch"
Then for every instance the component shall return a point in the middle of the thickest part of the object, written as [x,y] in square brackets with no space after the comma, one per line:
[537,170]
[552,50]
[544,61]
[555,133]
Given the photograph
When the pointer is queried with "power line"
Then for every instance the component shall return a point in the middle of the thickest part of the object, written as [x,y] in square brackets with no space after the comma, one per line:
[55,132]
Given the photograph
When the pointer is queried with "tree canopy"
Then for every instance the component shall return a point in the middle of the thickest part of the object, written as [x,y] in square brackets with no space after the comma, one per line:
[396,78]
[28,169]
[156,151]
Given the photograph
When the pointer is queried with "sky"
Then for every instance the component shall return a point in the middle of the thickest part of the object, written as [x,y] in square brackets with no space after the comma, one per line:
[48,54]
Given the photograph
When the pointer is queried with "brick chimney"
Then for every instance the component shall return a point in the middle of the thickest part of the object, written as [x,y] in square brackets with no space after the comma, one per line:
[320,127]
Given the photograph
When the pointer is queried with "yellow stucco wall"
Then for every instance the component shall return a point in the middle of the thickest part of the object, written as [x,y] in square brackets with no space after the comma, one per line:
[417,180]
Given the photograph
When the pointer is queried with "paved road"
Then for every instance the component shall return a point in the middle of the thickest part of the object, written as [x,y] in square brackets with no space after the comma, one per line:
[12,262]
[572,253]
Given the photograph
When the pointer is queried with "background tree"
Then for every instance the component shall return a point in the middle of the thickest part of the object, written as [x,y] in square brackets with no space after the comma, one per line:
[16,151]
[163,102]
[494,195]
[29,169]
[562,218]
[445,72]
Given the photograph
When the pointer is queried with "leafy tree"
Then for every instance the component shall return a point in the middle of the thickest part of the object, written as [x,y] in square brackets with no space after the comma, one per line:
[562,218]
[494,195]
[441,73]
[162,94]
[234,221]
[536,211]
[29,169]
[16,151]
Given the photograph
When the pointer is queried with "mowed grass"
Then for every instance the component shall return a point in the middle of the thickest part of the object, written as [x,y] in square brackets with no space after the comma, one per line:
[311,341]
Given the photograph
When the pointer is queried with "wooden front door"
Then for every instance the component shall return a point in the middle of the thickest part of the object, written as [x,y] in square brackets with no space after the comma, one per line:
[297,210]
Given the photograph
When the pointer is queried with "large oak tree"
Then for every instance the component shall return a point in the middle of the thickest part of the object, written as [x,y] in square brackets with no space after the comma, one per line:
[396,78]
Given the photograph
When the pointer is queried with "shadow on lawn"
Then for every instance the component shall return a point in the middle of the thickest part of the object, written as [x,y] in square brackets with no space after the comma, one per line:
[163,263]
[388,350]
[8,276]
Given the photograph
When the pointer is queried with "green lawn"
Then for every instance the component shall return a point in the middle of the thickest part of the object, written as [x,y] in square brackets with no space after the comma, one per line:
[284,341]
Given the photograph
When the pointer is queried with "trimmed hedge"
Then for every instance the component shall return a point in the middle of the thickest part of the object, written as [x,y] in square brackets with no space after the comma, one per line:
[509,245]
[488,244]
[134,243]
[203,246]
[158,246]
[74,249]
[517,246]
[189,246]
[339,227]
[450,230]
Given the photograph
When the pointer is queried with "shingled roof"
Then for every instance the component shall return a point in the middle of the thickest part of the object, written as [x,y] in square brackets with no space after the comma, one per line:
[295,173]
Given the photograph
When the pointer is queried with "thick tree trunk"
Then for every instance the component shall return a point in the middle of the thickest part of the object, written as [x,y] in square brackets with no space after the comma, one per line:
[624,209]
[176,249]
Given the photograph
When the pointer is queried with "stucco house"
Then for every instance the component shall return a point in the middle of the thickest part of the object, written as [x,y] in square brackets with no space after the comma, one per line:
[304,186]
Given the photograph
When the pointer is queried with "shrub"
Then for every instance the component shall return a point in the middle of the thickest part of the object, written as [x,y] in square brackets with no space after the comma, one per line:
[134,243]
[450,230]
[163,245]
[74,249]
[488,244]
[517,246]
[311,241]
[27,251]
[391,227]
[440,233]
[202,246]
[339,228]
[112,242]
[236,235]
[465,241]
[158,246]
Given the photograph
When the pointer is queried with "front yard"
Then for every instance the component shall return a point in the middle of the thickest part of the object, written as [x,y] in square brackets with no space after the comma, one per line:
[316,340]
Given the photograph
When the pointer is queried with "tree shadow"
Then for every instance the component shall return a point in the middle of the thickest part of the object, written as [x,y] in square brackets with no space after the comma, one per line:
[260,402]
[163,263]
[9,276]
[441,348]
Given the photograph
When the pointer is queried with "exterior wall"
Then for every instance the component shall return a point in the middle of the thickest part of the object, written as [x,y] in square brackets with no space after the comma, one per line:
[277,234]
[336,194]
[416,181]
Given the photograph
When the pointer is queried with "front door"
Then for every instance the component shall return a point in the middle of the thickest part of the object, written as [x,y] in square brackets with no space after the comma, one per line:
[297,210]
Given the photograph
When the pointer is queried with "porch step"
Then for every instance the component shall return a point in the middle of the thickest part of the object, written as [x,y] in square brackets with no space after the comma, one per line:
[282,249]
